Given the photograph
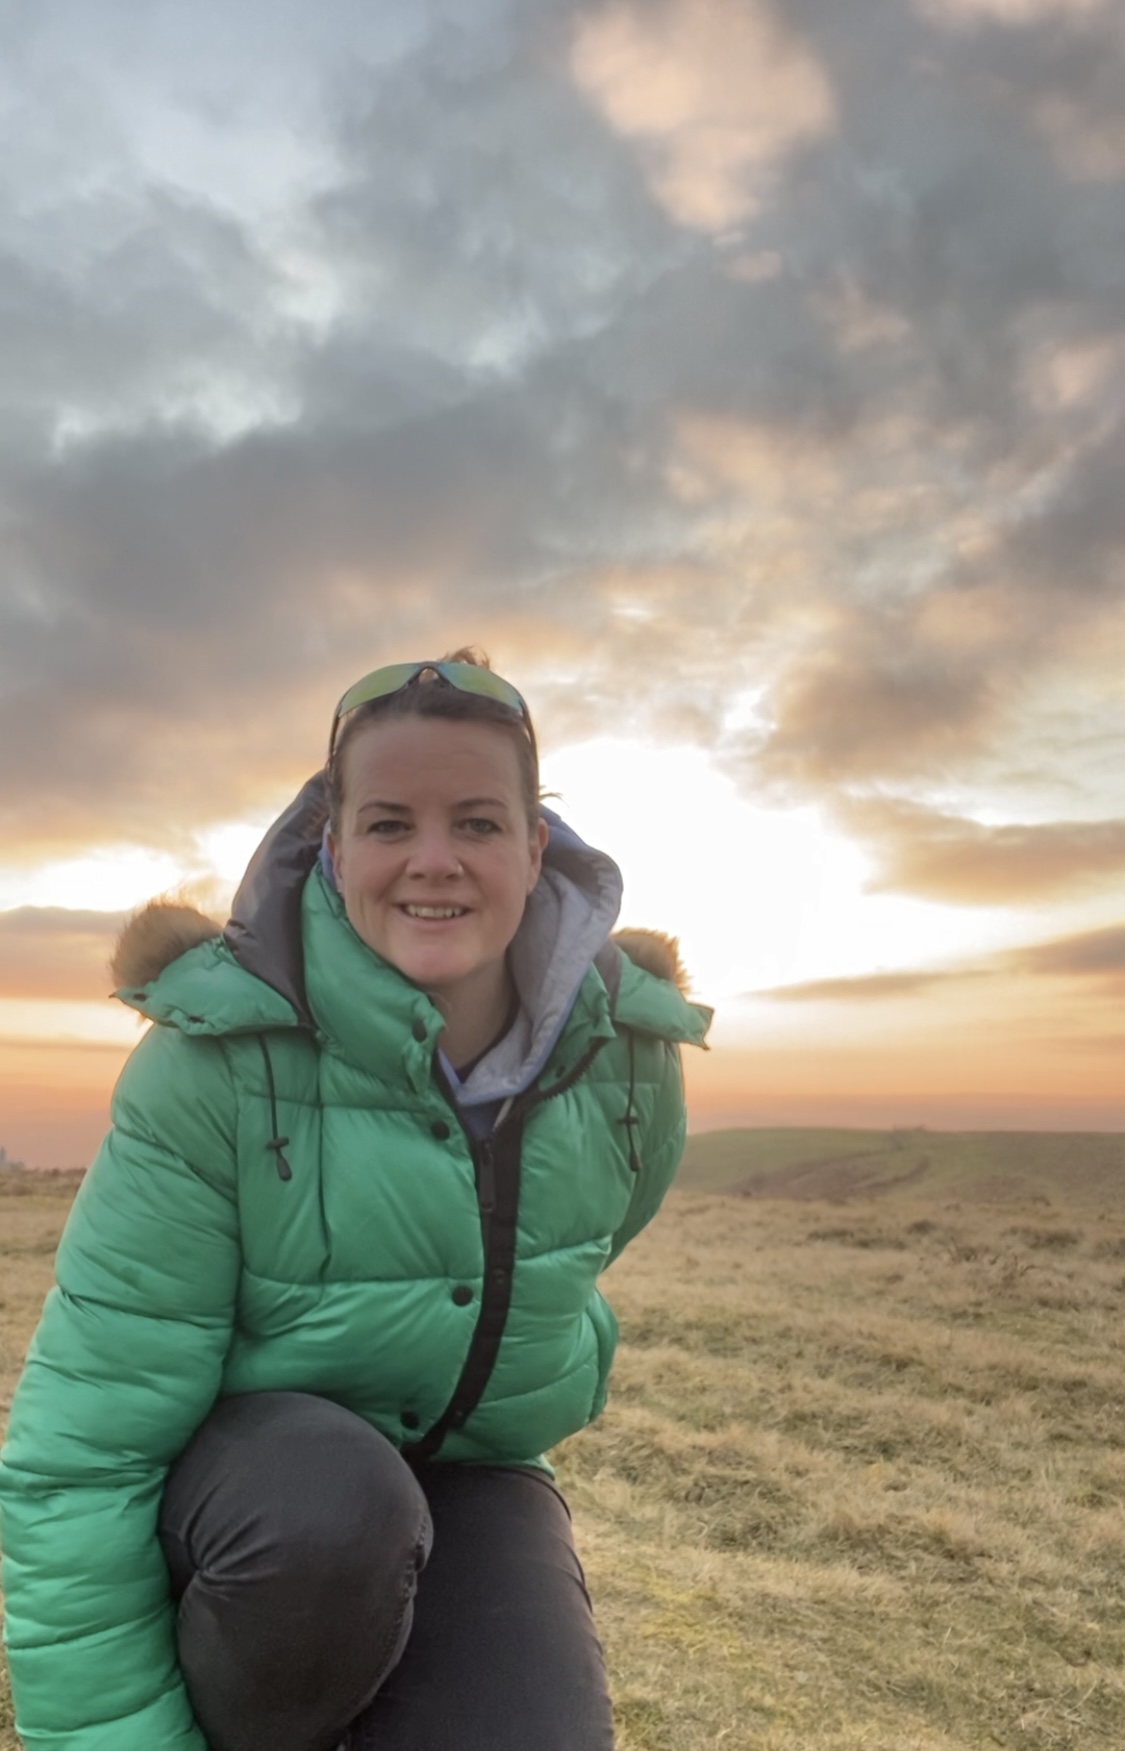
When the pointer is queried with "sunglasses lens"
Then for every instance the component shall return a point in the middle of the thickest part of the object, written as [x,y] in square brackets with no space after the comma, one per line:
[471,679]
[377,685]
[466,677]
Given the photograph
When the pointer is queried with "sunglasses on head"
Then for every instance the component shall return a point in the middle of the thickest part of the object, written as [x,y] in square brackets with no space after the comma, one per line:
[465,677]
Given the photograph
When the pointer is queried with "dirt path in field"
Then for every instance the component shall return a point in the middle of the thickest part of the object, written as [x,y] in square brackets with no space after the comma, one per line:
[835,1179]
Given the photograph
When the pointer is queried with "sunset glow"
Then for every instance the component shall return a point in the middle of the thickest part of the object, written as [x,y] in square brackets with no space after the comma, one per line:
[751,391]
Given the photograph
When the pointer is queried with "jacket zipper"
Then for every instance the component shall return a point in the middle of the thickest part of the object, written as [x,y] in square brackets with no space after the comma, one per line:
[498,1236]
[484,1161]
[486,1175]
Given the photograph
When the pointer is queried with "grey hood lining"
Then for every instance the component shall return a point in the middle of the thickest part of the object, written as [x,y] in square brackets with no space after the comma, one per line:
[568,918]
[263,932]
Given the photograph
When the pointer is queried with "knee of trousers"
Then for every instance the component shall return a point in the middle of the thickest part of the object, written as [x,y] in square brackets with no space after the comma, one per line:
[289,1482]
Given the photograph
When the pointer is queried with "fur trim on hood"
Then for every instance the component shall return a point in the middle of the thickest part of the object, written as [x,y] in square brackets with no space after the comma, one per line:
[164,930]
[655,953]
[156,936]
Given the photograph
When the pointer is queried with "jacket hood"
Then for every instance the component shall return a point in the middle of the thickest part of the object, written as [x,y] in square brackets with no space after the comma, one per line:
[168,955]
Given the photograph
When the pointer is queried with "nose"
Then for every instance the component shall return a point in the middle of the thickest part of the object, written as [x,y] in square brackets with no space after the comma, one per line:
[434,857]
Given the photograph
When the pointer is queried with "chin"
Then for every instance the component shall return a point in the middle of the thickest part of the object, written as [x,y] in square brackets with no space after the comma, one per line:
[435,979]
[435,972]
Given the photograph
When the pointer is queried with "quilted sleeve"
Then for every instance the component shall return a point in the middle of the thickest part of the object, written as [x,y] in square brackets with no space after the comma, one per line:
[125,1364]
[660,1145]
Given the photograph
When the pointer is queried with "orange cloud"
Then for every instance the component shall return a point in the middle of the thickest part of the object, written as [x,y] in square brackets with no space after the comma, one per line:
[863,988]
[1093,960]
[875,702]
[49,952]
[677,78]
[1097,955]
[944,857]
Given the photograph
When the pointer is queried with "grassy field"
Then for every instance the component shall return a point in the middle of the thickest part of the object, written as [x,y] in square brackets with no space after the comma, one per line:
[861,1483]
[995,1167]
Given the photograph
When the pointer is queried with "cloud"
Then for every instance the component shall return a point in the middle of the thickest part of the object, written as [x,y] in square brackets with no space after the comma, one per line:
[674,79]
[1075,543]
[969,13]
[936,856]
[1095,957]
[530,328]
[137,305]
[481,214]
[1090,954]
[869,700]
[863,988]
[49,952]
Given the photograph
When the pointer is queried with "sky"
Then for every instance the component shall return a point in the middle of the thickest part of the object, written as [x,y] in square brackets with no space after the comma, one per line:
[745,376]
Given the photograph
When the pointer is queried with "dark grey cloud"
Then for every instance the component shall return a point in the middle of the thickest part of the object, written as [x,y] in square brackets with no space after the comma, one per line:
[482,211]
[131,307]
[1074,544]
[431,352]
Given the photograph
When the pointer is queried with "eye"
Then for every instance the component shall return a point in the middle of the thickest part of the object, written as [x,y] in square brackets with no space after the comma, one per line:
[481,826]
[385,829]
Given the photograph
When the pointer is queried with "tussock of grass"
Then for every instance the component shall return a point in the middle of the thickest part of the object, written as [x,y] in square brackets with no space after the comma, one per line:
[861,1482]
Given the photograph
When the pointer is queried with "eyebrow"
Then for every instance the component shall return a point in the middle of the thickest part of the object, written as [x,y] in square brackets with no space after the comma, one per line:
[468,802]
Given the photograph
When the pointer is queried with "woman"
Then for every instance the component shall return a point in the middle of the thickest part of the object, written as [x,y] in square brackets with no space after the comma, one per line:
[273,1475]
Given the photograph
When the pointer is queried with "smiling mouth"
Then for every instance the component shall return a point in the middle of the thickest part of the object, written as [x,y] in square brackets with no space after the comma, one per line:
[436,912]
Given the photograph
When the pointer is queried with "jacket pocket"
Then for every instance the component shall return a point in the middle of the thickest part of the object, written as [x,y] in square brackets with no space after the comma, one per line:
[604,1322]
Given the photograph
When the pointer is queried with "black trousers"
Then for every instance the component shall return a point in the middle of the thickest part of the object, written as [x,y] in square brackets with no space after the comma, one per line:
[320,1578]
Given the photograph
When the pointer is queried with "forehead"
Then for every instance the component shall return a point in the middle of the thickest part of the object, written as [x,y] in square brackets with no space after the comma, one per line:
[413,760]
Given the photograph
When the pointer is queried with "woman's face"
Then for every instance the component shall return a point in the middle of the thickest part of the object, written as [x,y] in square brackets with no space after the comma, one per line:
[434,856]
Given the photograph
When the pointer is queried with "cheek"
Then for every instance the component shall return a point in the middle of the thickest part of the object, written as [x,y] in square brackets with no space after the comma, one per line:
[353,870]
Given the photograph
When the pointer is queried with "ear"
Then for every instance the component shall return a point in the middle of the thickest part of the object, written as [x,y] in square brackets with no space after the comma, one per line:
[539,842]
[334,852]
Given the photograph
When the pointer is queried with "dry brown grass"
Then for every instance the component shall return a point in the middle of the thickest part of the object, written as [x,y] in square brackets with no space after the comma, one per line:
[861,1484]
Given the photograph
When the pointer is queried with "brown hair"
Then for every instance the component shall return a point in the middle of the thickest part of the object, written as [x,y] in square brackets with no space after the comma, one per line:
[430,696]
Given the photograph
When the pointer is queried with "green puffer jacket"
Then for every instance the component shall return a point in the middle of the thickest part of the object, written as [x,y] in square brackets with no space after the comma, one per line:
[280,1206]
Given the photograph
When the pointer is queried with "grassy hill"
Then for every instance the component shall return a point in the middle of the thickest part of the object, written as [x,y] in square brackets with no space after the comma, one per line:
[992,1167]
[861,1482]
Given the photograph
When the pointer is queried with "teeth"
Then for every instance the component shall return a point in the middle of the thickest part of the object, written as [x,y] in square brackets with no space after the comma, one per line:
[435,911]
